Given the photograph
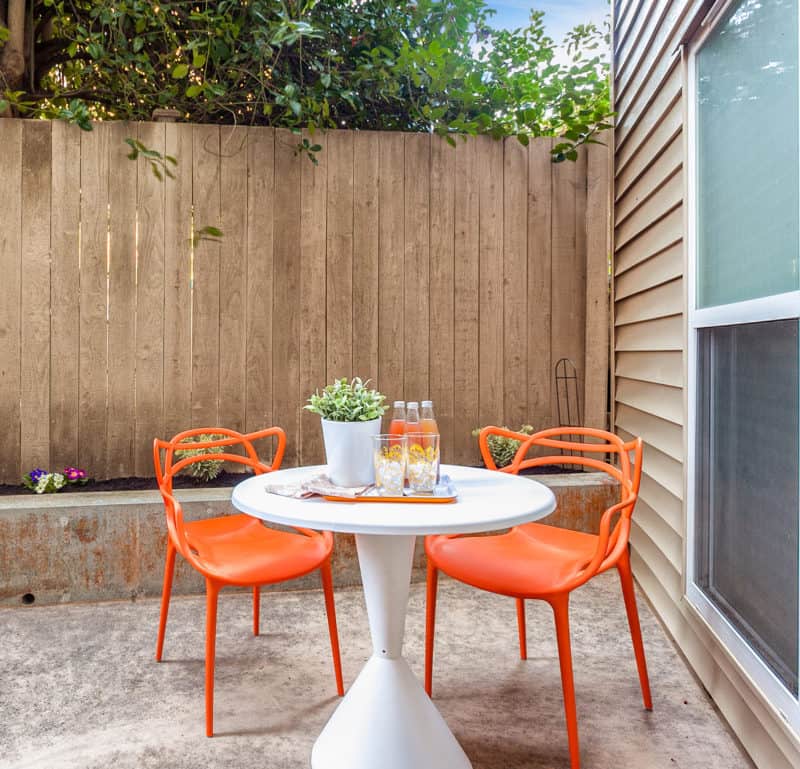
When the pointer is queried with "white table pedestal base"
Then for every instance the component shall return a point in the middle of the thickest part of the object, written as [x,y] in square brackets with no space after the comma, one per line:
[386,721]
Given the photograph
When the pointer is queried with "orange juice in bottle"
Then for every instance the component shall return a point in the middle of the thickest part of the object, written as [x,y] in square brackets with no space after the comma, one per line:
[398,424]
[427,422]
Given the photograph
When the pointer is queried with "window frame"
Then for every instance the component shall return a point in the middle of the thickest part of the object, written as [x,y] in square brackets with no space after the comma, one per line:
[783,306]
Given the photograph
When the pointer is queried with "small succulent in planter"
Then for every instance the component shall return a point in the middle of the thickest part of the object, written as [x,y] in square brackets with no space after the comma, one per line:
[351,415]
[204,469]
[503,449]
[345,401]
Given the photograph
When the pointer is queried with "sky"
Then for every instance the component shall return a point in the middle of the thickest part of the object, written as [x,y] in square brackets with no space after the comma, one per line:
[560,15]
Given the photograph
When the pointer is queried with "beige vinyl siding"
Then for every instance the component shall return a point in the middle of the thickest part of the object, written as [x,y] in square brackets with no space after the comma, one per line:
[649,345]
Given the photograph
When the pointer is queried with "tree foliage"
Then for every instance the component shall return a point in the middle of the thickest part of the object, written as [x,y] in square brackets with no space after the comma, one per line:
[369,64]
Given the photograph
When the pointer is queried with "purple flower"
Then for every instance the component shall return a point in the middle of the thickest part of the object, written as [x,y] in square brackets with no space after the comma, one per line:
[74,473]
[36,474]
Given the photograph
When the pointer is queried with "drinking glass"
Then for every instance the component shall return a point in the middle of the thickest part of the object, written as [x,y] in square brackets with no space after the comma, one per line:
[422,451]
[389,456]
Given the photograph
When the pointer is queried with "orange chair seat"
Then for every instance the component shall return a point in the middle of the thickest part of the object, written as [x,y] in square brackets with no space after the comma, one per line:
[528,561]
[242,551]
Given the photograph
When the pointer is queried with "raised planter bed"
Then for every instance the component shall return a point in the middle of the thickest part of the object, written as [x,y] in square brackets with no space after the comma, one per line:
[92,546]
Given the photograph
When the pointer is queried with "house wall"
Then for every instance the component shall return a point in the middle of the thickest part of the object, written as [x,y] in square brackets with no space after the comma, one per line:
[650,335]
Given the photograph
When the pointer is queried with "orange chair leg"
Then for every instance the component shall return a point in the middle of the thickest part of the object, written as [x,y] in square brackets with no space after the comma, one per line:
[560,606]
[626,578]
[169,572]
[330,610]
[256,609]
[212,593]
[430,624]
[523,639]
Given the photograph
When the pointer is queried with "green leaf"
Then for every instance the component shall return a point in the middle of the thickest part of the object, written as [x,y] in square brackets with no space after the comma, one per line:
[180,71]
[198,60]
[193,90]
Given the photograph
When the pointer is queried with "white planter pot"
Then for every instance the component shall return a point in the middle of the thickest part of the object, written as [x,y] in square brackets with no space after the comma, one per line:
[348,451]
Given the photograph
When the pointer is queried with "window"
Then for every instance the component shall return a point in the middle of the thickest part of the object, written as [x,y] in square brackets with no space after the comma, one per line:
[744,351]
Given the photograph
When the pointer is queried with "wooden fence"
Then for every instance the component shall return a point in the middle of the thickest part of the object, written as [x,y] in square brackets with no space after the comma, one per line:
[460,274]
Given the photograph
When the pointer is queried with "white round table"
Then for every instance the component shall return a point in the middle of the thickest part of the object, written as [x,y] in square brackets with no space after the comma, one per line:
[386,721]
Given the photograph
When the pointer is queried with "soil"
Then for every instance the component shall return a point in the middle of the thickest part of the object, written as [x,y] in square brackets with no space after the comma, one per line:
[223,480]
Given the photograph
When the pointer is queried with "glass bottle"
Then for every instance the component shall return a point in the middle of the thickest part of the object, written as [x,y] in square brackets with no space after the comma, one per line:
[412,418]
[427,422]
[398,424]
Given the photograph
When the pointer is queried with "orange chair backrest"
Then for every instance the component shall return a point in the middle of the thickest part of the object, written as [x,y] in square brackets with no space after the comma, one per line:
[170,468]
[167,469]
[627,473]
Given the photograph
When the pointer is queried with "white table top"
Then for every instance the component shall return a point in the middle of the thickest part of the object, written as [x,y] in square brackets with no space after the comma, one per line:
[487,500]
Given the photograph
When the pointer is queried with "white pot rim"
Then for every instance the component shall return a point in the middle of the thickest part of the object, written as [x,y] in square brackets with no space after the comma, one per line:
[342,422]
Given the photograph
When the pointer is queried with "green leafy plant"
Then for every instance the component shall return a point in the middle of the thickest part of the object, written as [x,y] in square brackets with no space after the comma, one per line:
[345,401]
[428,65]
[159,163]
[203,469]
[503,449]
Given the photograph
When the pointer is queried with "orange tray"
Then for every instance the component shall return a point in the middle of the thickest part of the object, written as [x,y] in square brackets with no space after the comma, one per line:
[368,497]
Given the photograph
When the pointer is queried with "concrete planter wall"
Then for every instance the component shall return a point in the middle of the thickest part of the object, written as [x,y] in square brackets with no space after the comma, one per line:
[101,546]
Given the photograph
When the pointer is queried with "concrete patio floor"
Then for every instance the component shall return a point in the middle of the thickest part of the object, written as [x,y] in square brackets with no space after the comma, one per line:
[80,688]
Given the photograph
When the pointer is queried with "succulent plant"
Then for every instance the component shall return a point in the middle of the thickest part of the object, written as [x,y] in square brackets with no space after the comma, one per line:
[503,449]
[203,469]
[345,401]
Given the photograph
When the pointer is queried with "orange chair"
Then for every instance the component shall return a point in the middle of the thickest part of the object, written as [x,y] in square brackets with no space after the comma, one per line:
[236,549]
[546,562]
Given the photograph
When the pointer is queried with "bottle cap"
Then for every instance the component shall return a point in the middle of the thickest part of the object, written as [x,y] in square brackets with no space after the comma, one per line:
[427,404]
[413,405]
[399,404]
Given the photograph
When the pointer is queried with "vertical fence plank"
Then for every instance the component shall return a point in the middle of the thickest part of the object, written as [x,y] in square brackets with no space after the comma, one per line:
[339,244]
[93,292]
[515,283]
[567,310]
[205,295]
[579,275]
[64,292]
[258,322]
[313,279]
[416,293]
[232,283]
[35,295]
[10,320]
[149,301]
[365,253]
[178,282]
[490,180]
[540,364]
[286,396]
[466,298]
[35,299]
[122,341]
[390,262]
[442,294]
[597,286]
